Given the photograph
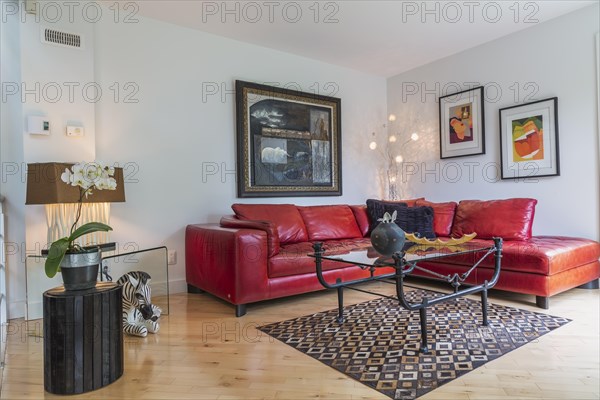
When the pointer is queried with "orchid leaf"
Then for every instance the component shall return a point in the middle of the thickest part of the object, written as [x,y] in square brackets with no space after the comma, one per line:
[58,249]
[56,253]
[90,227]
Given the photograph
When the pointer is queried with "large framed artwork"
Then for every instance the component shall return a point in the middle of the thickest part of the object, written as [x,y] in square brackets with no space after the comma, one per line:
[462,128]
[288,142]
[529,140]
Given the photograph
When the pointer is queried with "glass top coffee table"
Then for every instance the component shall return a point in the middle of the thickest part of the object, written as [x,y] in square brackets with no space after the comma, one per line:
[405,263]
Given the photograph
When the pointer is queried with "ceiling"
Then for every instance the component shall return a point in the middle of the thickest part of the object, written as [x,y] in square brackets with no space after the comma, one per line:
[383,38]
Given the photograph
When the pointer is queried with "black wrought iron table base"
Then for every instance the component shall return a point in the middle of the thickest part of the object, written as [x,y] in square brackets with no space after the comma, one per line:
[403,268]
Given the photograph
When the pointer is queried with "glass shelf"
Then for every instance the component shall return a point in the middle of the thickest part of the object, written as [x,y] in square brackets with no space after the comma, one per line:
[153,261]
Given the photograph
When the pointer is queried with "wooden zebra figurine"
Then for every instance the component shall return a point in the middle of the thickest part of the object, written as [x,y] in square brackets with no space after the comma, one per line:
[140,316]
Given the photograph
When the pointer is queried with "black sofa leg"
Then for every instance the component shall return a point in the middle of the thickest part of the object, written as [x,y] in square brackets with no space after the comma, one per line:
[193,289]
[542,302]
[595,284]
[240,310]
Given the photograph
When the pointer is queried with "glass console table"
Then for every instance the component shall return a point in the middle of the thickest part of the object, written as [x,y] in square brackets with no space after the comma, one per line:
[113,266]
[405,263]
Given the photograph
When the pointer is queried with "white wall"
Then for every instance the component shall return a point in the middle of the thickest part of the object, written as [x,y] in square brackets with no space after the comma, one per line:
[164,139]
[11,160]
[51,71]
[43,74]
[556,58]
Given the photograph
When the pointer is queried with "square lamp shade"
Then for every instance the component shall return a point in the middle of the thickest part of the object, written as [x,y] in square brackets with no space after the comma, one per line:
[44,186]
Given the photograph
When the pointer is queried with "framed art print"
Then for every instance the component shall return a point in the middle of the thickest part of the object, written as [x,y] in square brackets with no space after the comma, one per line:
[288,142]
[529,140]
[462,128]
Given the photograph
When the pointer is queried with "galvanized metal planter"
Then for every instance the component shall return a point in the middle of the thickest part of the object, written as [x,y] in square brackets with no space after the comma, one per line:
[80,270]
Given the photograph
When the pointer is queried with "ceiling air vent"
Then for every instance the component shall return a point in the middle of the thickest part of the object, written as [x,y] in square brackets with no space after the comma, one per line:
[60,38]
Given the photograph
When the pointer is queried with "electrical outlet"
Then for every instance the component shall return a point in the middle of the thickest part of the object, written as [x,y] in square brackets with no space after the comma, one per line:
[172,257]
[74,131]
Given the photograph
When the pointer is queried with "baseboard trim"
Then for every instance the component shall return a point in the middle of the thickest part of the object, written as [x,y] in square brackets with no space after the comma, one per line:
[16,309]
[177,286]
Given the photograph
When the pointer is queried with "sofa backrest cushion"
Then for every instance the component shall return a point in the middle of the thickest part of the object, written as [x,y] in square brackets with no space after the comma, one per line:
[409,219]
[408,202]
[330,222]
[411,202]
[231,221]
[443,215]
[510,219]
[362,218]
[285,217]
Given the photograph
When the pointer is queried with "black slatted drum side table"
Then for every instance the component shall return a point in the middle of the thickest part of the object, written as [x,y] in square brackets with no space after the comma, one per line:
[83,338]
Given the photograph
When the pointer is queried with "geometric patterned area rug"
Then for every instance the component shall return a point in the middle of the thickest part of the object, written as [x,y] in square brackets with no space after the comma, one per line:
[378,343]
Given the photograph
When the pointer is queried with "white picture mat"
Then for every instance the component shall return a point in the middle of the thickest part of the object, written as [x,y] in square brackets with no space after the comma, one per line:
[465,148]
[547,166]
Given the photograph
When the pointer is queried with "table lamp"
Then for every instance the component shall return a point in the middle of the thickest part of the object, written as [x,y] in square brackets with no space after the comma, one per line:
[44,186]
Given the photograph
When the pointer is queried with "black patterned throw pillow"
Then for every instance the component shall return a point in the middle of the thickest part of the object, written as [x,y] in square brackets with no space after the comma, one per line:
[410,219]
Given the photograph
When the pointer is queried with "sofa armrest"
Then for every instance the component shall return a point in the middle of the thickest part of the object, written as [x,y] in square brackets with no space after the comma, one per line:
[228,263]
[266,226]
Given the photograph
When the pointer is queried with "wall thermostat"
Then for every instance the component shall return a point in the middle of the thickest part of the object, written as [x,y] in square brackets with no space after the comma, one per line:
[38,125]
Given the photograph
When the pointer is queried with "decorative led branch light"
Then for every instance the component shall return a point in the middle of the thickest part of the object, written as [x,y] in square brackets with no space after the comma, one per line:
[392,152]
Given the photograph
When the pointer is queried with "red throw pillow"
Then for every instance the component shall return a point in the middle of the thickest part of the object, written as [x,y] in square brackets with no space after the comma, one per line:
[330,222]
[443,215]
[286,218]
[510,219]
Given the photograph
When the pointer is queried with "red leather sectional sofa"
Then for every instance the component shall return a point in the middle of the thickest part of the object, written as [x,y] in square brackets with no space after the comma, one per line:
[261,252]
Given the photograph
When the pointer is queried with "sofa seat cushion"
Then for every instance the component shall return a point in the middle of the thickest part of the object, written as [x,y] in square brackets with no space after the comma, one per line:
[285,217]
[510,219]
[293,259]
[543,255]
[329,222]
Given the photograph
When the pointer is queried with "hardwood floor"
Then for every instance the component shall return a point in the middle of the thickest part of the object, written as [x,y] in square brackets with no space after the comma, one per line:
[204,352]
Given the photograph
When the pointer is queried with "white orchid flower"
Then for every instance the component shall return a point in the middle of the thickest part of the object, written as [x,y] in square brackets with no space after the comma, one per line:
[88,176]
[92,172]
[102,184]
[78,168]
[79,179]
[112,184]
[66,176]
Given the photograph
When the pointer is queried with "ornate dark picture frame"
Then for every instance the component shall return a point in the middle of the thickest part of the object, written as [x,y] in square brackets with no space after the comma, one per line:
[462,124]
[288,142]
[529,140]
